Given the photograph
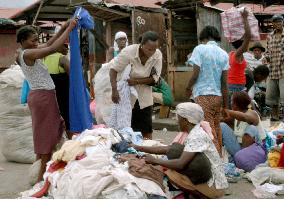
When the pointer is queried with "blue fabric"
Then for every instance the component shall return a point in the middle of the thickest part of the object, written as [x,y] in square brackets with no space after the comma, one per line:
[154,196]
[131,136]
[229,139]
[252,131]
[212,60]
[79,100]
[25,92]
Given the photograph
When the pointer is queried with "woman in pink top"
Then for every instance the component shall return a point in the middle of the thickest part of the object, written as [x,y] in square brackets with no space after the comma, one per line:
[236,73]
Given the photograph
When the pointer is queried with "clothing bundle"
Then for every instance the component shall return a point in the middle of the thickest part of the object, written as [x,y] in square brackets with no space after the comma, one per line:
[233,24]
[86,167]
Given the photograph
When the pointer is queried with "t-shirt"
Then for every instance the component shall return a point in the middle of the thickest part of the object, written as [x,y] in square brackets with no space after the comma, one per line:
[212,61]
[199,141]
[236,73]
[252,62]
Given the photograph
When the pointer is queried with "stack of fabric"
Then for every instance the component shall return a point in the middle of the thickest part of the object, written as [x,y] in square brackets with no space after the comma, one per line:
[87,167]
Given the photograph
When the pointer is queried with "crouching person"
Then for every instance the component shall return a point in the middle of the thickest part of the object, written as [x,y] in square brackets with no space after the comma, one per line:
[244,142]
[194,167]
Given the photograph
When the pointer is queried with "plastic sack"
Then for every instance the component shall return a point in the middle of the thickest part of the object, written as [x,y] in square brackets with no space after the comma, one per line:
[165,89]
[103,91]
[267,190]
[25,92]
[266,174]
[15,120]
[233,25]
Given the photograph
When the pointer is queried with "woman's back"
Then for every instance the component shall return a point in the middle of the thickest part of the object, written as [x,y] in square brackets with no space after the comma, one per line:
[212,61]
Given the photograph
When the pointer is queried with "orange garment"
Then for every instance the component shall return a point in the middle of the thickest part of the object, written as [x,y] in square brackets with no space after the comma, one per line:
[236,73]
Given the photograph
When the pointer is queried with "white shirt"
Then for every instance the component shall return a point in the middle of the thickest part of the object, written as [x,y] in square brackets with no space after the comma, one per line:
[199,141]
[252,62]
[130,55]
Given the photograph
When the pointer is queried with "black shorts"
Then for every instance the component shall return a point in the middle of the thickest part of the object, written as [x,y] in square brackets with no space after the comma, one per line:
[141,120]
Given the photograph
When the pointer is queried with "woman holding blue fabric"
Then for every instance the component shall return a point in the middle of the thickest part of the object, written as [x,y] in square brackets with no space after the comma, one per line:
[47,124]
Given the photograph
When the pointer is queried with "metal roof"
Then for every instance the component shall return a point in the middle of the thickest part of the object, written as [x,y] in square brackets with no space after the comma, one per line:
[256,8]
[138,3]
[8,13]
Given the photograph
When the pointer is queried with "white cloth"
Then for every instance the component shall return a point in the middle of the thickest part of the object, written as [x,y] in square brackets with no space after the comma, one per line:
[252,62]
[199,141]
[130,55]
[122,112]
[119,35]
[190,111]
[102,90]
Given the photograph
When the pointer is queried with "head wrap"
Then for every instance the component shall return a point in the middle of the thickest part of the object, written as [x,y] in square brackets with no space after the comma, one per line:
[119,35]
[252,131]
[190,111]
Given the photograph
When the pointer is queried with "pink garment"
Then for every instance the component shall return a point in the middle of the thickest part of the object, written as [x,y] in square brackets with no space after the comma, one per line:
[93,107]
[207,128]
[99,126]
[233,25]
[181,136]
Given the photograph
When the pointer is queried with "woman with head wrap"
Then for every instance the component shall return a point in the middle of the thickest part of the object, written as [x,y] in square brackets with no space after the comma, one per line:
[120,42]
[199,160]
[246,135]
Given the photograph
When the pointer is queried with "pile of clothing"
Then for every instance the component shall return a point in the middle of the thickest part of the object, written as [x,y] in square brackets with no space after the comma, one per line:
[88,167]
[268,178]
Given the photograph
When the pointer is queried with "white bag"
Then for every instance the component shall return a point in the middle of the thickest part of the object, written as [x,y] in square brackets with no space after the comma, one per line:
[15,120]
[103,91]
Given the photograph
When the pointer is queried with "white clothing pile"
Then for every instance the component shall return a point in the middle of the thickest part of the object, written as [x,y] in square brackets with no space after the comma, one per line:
[98,175]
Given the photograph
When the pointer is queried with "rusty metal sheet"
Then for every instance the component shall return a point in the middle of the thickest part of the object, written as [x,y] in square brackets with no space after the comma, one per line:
[145,21]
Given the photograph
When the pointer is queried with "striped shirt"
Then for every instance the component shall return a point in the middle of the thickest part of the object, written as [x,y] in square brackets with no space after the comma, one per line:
[275,54]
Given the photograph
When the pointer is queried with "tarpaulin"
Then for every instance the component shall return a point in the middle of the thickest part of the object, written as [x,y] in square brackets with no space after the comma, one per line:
[79,100]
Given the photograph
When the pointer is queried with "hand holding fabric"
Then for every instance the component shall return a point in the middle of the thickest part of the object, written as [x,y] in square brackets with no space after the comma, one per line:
[149,159]
[115,96]
[132,82]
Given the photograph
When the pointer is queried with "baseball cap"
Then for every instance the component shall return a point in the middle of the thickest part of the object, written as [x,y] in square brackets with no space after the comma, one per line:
[277,17]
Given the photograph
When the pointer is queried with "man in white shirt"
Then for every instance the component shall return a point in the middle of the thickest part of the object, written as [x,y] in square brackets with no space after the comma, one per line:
[255,59]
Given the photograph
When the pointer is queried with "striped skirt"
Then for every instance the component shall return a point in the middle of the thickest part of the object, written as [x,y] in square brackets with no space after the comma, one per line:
[47,124]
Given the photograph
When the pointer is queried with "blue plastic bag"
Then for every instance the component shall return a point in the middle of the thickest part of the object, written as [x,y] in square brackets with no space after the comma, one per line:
[25,92]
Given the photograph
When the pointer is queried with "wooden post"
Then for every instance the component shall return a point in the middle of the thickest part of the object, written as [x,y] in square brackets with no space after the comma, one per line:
[170,59]
[37,13]
[133,26]
[108,33]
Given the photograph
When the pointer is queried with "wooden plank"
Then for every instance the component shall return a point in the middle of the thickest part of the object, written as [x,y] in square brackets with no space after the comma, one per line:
[108,34]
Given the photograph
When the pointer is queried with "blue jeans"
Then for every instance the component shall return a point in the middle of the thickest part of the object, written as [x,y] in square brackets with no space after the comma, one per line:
[236,87]
[232,89]
[229,139]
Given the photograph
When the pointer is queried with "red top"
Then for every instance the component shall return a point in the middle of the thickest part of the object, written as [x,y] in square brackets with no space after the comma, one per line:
[236,73]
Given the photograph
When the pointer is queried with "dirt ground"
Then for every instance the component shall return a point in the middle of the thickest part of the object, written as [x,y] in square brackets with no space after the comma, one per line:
[14,177]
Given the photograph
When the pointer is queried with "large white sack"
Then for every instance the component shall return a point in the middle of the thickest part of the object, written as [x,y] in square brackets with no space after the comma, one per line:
[103,91]
[15,120]
[266,174]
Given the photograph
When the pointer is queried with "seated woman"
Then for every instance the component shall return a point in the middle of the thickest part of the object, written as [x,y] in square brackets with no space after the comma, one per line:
[243,141]
[198,159]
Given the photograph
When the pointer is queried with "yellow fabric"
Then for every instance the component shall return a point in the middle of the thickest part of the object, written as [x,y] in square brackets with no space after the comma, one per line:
[73,148]
[52,62]
[273,158]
